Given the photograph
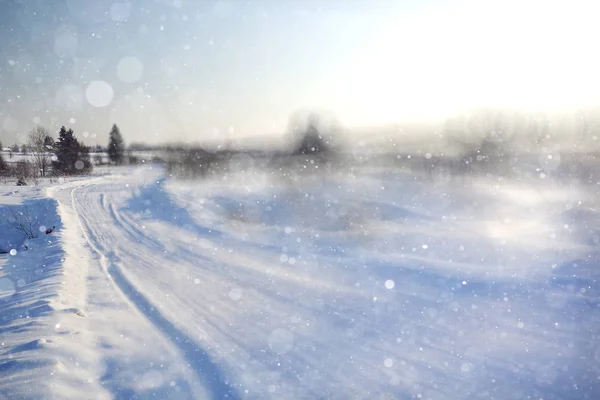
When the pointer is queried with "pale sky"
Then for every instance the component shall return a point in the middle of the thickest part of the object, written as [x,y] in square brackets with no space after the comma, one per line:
[195,70]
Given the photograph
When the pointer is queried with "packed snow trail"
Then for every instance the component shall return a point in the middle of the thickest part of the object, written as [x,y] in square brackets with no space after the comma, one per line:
[84,198]
[116,346]
[345,286]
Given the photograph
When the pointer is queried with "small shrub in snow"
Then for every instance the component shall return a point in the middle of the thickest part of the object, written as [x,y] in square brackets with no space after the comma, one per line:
[23,222]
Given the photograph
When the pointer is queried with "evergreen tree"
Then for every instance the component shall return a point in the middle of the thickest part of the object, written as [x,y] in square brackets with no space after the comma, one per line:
[312,142]
[48,141]
[72,157]
[116,146]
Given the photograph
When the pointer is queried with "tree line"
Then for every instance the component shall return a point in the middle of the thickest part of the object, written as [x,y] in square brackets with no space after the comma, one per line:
[62,157]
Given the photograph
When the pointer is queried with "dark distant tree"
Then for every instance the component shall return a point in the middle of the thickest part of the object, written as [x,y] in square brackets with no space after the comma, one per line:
[73,158]
[66,151]
[1,147]
[3,165]
[14,148]
[48,142]
[116,146]
[308,133]
[312,142]
[24,148]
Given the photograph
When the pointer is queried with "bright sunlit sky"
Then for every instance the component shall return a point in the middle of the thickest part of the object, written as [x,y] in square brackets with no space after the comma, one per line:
[191,70]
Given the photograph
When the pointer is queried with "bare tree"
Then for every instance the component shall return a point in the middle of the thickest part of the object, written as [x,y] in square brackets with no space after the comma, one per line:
[23,222]
[37,142]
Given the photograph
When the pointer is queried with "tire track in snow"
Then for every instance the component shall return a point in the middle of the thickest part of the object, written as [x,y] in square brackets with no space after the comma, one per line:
[132,231]
[204,369]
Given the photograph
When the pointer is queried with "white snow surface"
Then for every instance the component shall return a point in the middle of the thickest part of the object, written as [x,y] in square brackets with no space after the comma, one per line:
[370,285]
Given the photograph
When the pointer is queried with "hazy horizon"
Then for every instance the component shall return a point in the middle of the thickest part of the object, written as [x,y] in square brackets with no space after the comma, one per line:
[176,70]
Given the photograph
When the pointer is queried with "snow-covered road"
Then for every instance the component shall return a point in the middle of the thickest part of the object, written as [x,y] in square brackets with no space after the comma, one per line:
[369,286]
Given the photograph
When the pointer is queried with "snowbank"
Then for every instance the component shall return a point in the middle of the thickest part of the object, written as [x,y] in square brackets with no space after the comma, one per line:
[31,208]
[30,282]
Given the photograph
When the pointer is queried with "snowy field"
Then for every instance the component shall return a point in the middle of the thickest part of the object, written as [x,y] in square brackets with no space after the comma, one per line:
[371,285]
